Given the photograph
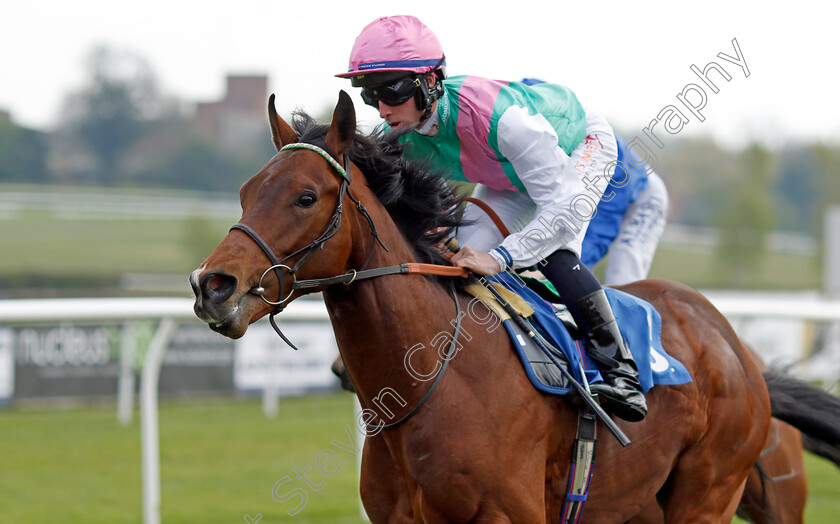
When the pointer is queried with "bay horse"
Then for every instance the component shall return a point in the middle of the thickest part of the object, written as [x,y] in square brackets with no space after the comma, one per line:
[776,490]
[777,487]
[478,444]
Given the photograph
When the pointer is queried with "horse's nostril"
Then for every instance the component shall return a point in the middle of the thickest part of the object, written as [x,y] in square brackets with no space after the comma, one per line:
[218,287]
[215,282]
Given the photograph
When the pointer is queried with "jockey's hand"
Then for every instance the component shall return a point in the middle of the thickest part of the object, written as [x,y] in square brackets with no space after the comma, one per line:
[478,261]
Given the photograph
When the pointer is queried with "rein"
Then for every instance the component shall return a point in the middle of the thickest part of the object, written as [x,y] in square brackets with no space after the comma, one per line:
[490,213]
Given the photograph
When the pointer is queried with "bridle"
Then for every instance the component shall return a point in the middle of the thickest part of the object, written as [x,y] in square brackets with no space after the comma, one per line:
[278,265]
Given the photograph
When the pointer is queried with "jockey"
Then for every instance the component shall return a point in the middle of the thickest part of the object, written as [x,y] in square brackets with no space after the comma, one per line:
[538,158]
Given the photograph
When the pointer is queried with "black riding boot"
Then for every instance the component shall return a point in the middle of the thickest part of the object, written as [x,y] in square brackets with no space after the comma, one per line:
[621,392]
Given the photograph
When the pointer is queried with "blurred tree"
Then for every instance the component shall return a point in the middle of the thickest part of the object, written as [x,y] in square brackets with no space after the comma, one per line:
[22,152]
[797,190]
[826,185]
[695,170]
[107,116]
[198,164]
[746,215]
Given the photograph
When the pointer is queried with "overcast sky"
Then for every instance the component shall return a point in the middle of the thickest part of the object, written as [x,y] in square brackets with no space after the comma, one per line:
[627,60]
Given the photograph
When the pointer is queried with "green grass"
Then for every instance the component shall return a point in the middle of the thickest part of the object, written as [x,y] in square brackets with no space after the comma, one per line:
[824,491]
[219,461]
[36,242]
[43,248]
[700,269]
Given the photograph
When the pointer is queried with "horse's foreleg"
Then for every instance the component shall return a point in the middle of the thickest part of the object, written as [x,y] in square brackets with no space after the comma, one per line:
[382,486]
[734,503]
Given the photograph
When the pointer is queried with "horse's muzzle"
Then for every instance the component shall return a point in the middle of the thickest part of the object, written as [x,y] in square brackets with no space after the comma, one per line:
[211,291]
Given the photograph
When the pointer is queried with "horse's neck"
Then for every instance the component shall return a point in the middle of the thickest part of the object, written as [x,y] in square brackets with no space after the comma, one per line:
[377,321]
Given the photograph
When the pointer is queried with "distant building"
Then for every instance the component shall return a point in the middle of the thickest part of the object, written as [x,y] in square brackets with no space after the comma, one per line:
[238,121]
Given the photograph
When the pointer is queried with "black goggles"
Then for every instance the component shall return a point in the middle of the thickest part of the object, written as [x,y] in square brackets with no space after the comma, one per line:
[392,94]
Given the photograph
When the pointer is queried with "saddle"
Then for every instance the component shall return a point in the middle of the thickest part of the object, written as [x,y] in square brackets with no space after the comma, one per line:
[639,323]
[538,365]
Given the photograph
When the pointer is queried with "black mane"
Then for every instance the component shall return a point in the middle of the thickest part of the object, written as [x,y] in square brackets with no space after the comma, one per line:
[417,199]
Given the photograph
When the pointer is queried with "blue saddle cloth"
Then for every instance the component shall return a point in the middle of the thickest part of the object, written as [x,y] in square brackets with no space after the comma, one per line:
[639,323]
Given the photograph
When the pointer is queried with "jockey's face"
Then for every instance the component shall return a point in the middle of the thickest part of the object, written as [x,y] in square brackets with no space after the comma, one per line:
[404,114]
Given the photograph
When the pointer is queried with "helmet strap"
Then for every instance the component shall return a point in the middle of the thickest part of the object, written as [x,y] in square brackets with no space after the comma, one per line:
[426,96]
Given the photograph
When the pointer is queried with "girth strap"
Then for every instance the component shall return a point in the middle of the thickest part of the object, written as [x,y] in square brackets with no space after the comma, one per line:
[580,475]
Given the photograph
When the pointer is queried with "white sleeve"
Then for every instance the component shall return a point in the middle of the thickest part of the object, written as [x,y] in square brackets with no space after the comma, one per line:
[530,144]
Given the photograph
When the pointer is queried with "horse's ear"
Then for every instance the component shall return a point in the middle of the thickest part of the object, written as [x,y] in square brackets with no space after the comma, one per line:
[343,126]
[281,132]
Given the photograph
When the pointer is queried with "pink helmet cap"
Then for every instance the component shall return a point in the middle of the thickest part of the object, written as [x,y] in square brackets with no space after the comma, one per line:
[394,43]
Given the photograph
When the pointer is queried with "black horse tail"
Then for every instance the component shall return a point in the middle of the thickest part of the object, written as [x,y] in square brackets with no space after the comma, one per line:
[811,410]
[821,449]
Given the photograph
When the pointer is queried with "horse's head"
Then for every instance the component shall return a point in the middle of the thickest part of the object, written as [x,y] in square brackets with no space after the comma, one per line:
[288,230]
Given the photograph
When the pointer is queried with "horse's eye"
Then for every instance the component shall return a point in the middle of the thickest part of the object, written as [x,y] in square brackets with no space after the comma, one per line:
[306,199]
